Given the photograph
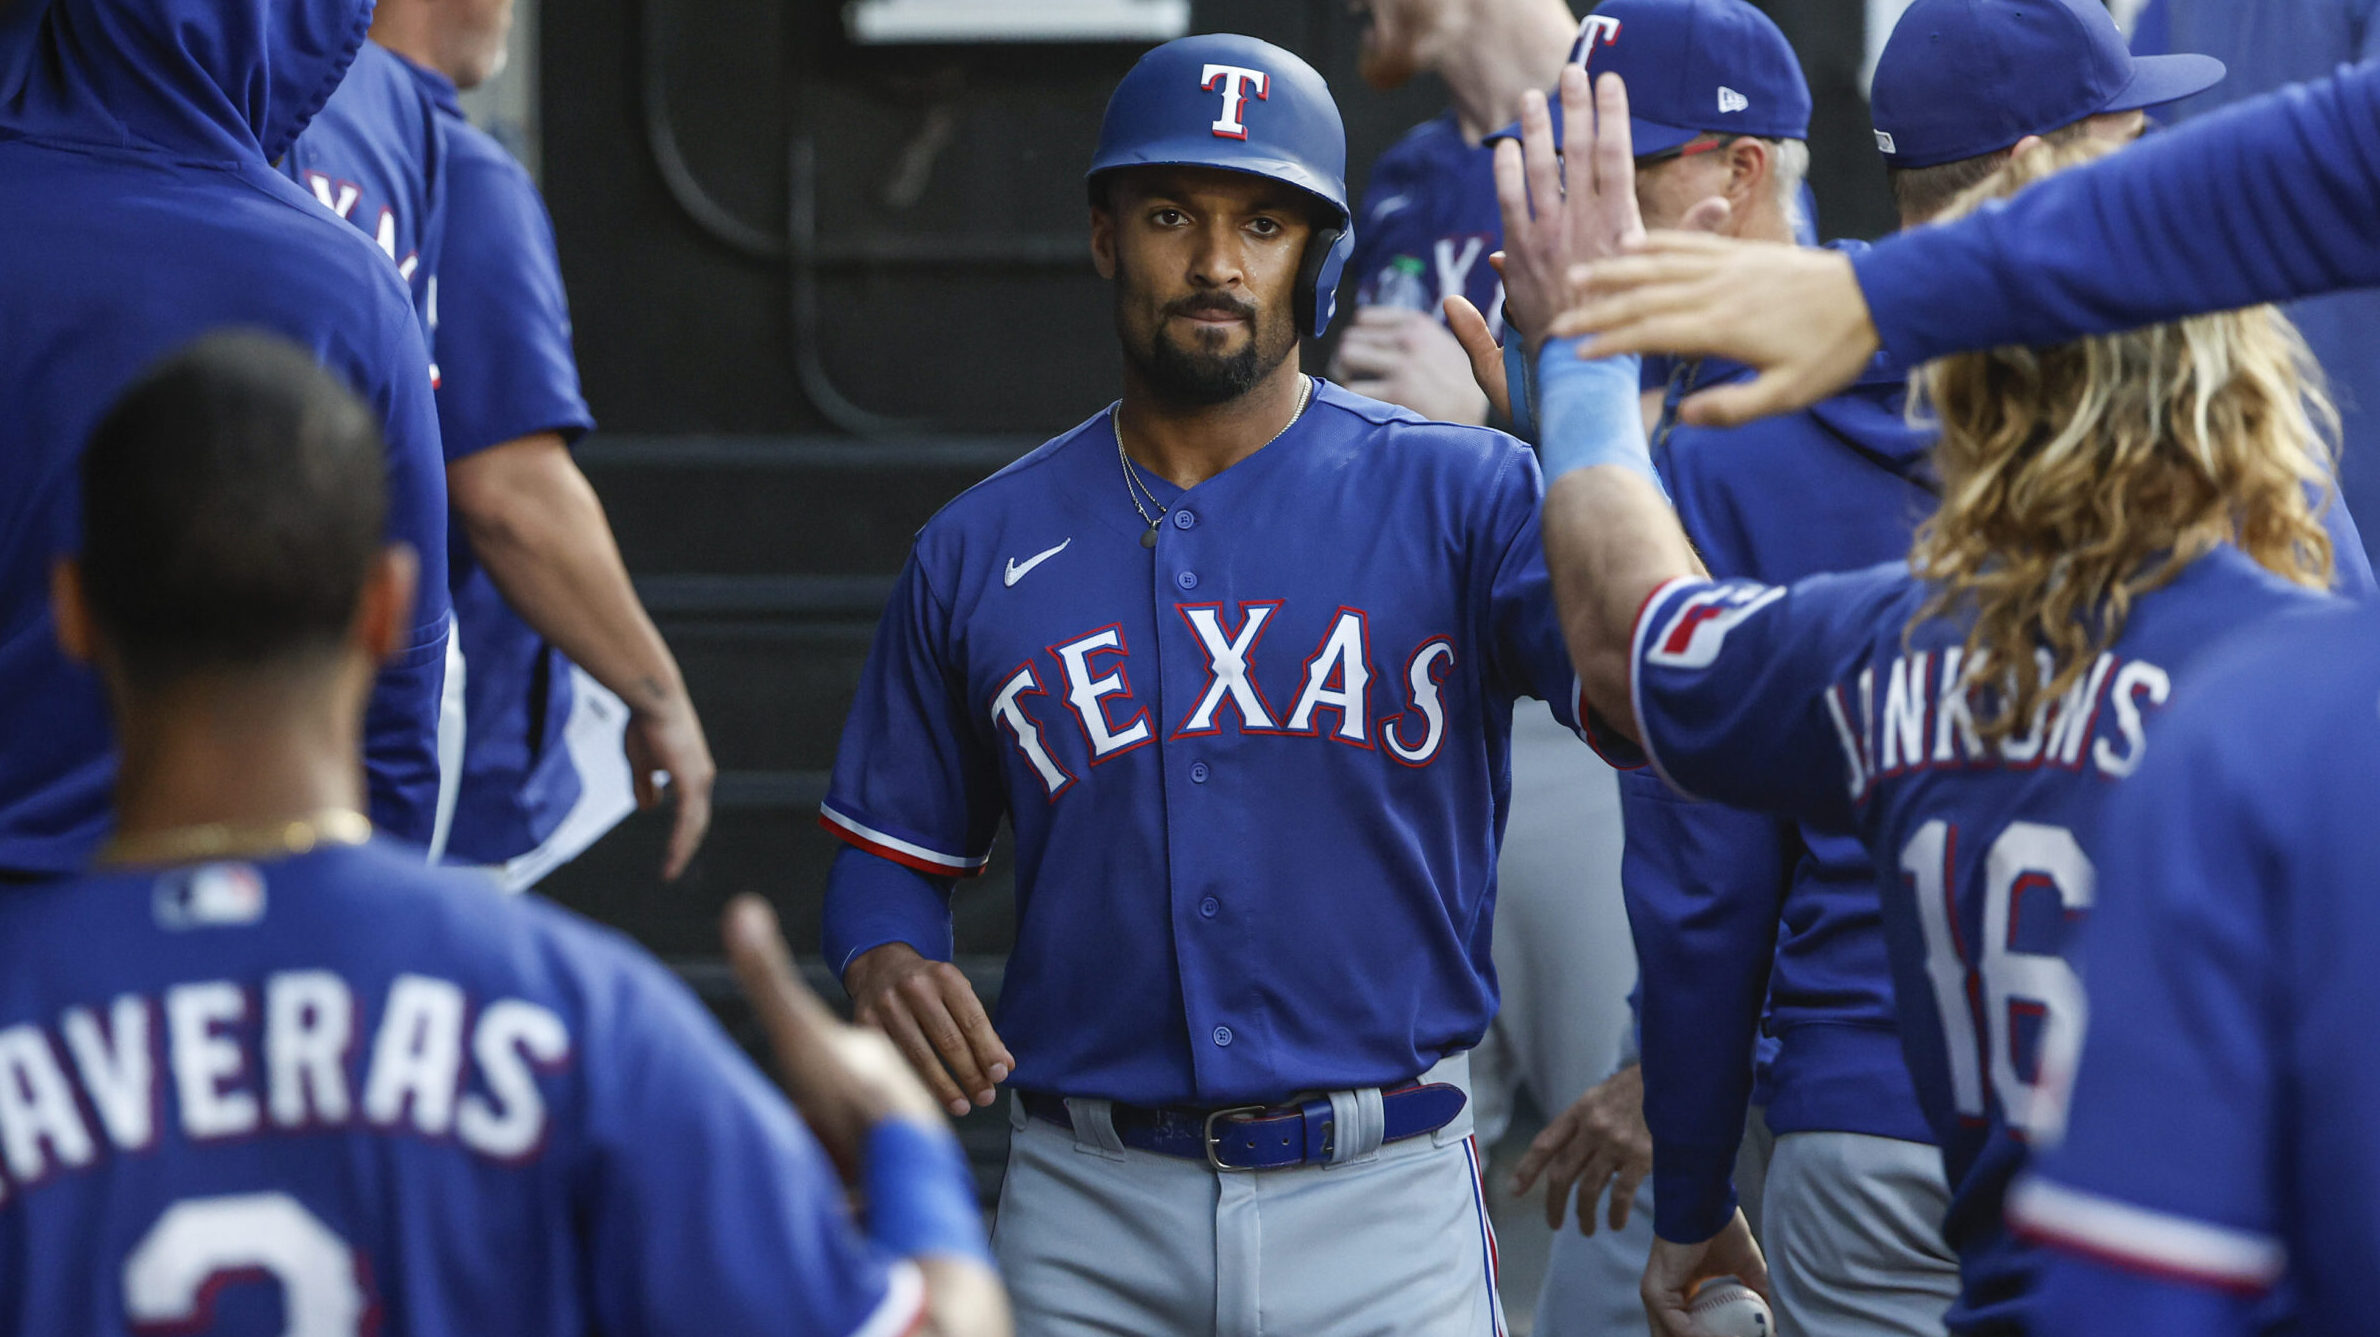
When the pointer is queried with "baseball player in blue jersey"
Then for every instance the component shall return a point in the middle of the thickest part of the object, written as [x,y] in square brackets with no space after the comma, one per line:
[2218,1143]
[543,770]
[1730,905]
[1962,711]
[1236,659]
[312,1086]
[141,211]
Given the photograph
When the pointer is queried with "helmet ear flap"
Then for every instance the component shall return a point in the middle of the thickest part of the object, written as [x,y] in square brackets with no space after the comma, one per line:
[1318,279]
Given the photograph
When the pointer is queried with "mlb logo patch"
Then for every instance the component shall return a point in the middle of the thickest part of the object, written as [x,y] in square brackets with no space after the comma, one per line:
[1693,634]
[210,896]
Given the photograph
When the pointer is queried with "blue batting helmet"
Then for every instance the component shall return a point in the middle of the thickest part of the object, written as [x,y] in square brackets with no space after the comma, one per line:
[1222,100]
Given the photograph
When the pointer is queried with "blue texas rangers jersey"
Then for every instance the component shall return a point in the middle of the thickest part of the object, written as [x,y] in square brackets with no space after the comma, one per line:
[374,155]
[1428,223]
[1715,894]
[2219,1135]
[1820,701]
[506,372]
[343,1093]
[139,213]
[1257,774]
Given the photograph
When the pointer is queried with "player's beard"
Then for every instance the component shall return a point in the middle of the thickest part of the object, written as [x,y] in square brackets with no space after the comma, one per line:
[1195,372]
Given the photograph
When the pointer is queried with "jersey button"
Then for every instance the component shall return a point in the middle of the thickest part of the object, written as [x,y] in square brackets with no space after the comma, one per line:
[1209,906]
[1199,772]
[1187,580]
[1184,519]
[1222,1036]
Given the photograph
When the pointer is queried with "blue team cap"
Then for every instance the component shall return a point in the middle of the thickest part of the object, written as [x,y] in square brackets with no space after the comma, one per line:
[1692,67]
[1962,78]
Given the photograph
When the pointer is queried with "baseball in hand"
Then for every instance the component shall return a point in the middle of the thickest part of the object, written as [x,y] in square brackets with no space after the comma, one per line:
[1731,1309]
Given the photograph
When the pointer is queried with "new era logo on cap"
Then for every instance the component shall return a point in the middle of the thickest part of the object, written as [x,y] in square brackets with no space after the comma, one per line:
[1884,142]
[1731,101]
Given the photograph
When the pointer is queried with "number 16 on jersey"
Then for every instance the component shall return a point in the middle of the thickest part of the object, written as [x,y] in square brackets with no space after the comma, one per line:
[1989,993]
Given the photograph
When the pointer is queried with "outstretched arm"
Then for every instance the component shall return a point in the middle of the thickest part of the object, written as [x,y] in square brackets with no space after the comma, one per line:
[2270,200]
[1611,538]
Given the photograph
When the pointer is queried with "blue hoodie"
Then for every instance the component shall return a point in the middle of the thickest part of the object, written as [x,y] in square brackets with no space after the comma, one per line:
[1716,894]
[141,211]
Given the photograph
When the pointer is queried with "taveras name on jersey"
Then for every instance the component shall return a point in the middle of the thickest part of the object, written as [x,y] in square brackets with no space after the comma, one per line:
[280,1058]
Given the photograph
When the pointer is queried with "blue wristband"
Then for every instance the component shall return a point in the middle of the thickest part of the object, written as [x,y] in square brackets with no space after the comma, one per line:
[1517,375]
[1590,413]
[921,1196]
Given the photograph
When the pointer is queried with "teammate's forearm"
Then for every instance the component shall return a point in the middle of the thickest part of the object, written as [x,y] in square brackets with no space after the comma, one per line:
[536,525]
[2269,200]
[1611,538]
[921,1206]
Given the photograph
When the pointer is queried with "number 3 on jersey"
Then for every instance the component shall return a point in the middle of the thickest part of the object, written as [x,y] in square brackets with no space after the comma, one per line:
[199,1243]
[2004,982]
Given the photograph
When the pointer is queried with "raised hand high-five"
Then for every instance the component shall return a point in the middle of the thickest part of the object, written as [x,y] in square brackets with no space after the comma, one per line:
[1563,209]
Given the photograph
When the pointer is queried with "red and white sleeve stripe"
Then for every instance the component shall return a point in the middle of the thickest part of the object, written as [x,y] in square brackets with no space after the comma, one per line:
[2143,1240]
[1636,669]
[907,853]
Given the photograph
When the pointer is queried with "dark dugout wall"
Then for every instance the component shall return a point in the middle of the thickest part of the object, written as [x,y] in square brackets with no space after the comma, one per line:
[766,229]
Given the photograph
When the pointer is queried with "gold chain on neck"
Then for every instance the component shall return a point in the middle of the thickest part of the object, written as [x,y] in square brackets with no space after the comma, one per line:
[240,840]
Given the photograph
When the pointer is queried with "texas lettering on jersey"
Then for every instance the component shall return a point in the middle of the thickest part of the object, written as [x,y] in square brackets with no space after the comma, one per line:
[282,1057]
[341,198]
[1334,698]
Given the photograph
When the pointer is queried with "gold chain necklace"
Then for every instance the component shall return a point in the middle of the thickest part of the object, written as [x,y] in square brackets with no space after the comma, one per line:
[1134,488]
[240,840]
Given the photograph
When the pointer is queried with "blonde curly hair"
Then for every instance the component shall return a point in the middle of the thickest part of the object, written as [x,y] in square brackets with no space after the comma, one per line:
[2077,478]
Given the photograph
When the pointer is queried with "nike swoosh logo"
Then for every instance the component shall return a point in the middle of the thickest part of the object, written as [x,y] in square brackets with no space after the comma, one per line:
[1017,573]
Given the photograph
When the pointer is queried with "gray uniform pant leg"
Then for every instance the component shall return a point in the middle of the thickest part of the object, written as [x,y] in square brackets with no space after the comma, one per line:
[1097,1239]
[1853,1229]
[1591,1280]
[1563,954]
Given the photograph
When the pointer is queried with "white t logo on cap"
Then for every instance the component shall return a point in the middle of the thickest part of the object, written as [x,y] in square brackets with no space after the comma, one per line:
[1731,100]
[1593,31]
[1237,83]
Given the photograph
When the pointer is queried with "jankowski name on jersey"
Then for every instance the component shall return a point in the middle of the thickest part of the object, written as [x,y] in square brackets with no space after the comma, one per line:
[282,1056]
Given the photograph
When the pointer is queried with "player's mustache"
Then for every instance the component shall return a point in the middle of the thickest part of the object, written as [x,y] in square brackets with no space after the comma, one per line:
[1215,304]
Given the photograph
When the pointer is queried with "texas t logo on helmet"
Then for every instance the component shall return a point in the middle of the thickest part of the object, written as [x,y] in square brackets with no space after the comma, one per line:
[1185,83]
[1237,83]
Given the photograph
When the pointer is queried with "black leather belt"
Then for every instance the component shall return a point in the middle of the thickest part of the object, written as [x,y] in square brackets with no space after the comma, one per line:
[1260,1137]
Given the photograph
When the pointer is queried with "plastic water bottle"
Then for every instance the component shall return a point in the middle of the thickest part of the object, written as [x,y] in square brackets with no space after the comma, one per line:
[1402,287]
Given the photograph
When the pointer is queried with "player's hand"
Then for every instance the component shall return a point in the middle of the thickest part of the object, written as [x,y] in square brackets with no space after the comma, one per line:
[1470,329]
[1560,211]
[1794,313]
[842,1078]
[670,740]
[933,1016]
[1406,358]
[1674,1271]
[1600,1139]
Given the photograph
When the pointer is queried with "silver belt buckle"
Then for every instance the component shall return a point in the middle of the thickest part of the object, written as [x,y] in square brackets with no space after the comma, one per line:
[1208,1136]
